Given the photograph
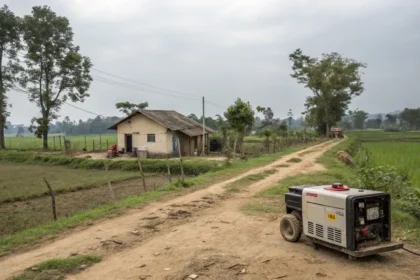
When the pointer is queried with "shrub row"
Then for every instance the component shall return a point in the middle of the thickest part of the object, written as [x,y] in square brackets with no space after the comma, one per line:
[191,167]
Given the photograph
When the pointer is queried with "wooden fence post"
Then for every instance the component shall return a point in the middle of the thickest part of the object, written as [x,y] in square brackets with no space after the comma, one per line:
[180,159]
[109,182]
[169,169]
[141,171]
[54,210]
[100,142]
[59,139]
[54,141]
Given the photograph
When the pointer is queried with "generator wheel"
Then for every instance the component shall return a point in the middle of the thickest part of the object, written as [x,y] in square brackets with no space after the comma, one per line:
[290,228]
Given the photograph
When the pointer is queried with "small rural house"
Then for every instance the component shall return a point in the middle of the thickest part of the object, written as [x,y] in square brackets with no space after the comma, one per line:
[158,131]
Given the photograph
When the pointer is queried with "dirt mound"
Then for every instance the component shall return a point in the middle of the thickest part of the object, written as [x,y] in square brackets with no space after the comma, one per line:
[344,157]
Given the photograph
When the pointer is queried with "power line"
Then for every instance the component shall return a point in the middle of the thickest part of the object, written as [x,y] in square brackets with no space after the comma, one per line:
[74,106]
[128,86]
[143,84]
[158,90]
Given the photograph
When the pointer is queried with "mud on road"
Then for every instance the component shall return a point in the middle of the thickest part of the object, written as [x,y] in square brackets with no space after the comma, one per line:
[205,234]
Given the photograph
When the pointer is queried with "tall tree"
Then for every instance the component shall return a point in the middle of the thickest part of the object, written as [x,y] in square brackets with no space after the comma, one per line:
[333,80]
[9,46]
[240,117]
[269,121]
[290,117]
[55,72]
[129,108]
[391,118]
[411,117]
[358,117]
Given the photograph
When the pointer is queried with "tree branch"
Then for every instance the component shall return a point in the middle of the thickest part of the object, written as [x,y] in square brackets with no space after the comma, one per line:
[59,91]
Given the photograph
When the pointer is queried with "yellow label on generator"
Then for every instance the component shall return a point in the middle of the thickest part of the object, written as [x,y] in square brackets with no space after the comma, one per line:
[331,216]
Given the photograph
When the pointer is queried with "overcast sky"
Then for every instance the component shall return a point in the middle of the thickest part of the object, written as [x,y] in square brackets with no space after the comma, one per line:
[228,49]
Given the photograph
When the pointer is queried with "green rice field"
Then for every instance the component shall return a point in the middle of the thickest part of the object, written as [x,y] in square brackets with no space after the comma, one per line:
[405,156]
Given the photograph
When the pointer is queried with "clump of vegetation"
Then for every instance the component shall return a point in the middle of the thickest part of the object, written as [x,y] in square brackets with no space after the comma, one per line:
[294,160]
[58,268]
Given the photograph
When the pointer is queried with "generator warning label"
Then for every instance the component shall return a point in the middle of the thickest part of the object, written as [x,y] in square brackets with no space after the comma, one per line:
[331,216]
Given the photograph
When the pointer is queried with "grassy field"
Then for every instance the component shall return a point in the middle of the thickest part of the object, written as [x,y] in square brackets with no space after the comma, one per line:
[379,135]
[94,142]
[23,181]
[405,156]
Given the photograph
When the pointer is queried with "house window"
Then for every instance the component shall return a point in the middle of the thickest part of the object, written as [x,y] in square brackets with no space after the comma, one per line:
[151,138]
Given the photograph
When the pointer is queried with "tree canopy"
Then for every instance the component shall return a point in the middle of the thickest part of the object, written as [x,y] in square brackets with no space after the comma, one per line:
[411,118]
[333,80]
[128,108]
[358,118]
[240,116]
[55,70]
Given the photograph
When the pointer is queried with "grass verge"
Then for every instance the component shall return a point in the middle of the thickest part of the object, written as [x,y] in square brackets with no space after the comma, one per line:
[239,184]
[58,268]
[47,231]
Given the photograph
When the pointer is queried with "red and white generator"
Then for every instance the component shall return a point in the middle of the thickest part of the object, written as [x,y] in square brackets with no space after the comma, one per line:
[354,221]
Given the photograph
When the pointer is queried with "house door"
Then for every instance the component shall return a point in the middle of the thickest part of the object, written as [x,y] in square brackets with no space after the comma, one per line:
[174,145]
[129,143]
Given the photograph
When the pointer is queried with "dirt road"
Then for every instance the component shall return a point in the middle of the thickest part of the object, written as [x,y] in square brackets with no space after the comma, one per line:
[206,234]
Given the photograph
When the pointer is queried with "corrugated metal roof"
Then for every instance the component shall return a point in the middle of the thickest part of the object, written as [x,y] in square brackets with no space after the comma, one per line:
[171,120]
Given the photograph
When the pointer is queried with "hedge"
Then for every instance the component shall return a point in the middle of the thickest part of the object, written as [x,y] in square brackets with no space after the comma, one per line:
[191,167]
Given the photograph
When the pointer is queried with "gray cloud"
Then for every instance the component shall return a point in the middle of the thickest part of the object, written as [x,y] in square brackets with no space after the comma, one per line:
[229,49]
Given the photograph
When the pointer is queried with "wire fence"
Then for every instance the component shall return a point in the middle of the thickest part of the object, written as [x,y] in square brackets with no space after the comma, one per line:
[89,143]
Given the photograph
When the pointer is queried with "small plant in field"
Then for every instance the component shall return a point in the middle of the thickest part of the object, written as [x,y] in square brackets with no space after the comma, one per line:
[295,160]
[58,268]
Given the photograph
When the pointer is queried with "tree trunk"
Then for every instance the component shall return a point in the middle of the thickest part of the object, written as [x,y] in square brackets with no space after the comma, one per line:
[45,139]
[2,103]
[327,124]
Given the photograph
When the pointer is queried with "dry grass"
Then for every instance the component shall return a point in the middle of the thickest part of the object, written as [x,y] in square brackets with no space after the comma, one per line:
[20,215]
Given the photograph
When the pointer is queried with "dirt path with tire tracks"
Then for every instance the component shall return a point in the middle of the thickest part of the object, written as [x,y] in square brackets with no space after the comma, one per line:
[204,233]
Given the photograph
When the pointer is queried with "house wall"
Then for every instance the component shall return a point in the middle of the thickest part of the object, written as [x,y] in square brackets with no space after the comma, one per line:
[139,126]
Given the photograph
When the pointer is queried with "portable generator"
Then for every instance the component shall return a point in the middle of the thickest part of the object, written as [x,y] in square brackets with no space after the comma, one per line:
[354,221]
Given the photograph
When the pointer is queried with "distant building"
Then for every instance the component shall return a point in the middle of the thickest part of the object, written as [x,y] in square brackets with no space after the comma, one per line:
[158,131]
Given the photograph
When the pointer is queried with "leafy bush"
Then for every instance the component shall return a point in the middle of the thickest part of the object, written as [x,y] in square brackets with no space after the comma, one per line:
[384,178]
[192,167]
[392,129]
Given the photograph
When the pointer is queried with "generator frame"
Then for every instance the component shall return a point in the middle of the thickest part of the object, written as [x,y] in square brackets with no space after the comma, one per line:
[319,201]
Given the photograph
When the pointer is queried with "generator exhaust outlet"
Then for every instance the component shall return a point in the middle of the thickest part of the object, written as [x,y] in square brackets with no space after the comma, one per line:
[354,221]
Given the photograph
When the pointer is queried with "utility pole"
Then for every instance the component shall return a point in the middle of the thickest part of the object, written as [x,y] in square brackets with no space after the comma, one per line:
[204,129]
